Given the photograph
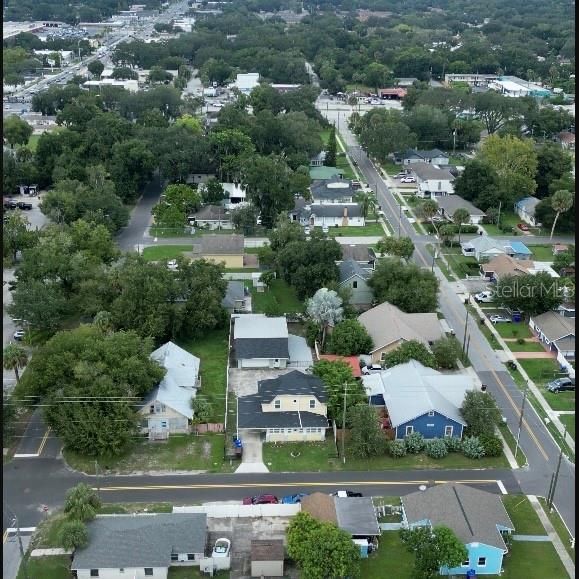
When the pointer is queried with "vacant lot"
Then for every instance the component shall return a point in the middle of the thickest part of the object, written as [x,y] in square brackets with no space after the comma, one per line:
[278,297]
[160,252]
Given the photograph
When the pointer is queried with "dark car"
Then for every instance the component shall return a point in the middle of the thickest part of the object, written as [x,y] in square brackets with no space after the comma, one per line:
[561,385]
[344,494]
[293,499]
[10,205]
[24,205]
[261,500]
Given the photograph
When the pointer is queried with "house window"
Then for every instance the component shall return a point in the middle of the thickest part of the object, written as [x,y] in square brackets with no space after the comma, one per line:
[148,571]
[174,557]
[482,562]
[190,556]
[312,403]
[94,572]
[152,409]
[465,563]
[448,431]
[430,425]
[354,284]
[277,404]
[163,424]
[409,430]
[431,413]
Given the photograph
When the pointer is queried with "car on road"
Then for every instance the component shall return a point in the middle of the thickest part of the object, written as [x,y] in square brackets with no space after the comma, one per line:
[221,548]
[346,494]
[261,500]
[561,385]
[19,335]
[293,499]
[408,180]
[10,204]
[523,226]
[497,318]
[23,205]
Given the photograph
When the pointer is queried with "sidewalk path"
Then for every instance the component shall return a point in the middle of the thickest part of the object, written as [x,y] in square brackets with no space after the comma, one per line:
[534,355]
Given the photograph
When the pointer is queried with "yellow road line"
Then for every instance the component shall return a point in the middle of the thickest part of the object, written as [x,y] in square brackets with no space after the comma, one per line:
[289,484]
[5,536]
[44,439]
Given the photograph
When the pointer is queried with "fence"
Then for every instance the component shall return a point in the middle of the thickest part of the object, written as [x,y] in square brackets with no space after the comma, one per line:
[209,427]
[258,242]
[241,511]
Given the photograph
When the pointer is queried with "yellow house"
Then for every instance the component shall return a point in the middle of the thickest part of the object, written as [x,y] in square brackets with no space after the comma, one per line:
[289,408]
[227,249]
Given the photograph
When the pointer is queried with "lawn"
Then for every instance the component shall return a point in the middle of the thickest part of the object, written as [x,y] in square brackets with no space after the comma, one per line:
[55,567]
[344,166]
[560,528]
[541,370]
[391,560]
[561,401]
[390,167]
[513,330]
[461,264]
[569,421]
[322,457]
[527,346]
[533,561]
[523,515]
[157,231]
[160,252]
[542,252]
[130,508]
[370,229]
[280,295]
[508,219]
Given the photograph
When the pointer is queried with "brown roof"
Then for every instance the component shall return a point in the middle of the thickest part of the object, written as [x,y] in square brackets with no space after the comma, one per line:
[215,244]
[505,265]
[356,252]
[321,507]
[270,550]
[566,137]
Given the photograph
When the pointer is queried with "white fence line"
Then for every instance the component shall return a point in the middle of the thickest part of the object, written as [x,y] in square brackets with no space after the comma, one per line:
[237,275]
[241,511]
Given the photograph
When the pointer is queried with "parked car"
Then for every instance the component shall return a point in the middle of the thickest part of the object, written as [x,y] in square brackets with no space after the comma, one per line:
[10,204]
[561,385]
[261,500]
[307,230]
[523,226]
[496,318]
[23,205]
[344,494]
[485,296]
[371,369]
[408,180]
[400,175]
[19,335]
[172,264]
[221,548]
[293,499]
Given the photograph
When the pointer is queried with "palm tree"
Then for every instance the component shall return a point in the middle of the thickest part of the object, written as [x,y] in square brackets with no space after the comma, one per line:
[15,358]
[81,503]
[429,209]
[367,202]
[561,202]
[461,216]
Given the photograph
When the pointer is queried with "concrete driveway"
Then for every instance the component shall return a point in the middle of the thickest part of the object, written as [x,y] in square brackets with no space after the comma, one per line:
[252,458]
[244,382]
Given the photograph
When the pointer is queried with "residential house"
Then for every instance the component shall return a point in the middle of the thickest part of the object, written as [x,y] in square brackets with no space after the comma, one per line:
[420,399]
[211,217]
[478,518]
[329,215]
[352,361]
[525,209]
[227,249]
[359,253]
[448,204]
[267,558]
[167,409]
[289,408]
[412,156]
[318,160]
[432,181]
[389,327]
[355,278]
[141,546]
[502,265]
[518,250]
[560,248]
[484,248]
[323,173]
[237,298]
[235,195]
[260,342]
[332,191]
[555,331]
[199,178]
[567,140]
[567,309]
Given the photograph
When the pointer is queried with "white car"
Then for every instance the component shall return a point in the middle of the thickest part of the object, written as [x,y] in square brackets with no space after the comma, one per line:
[172,264]
[400,175]
[221,548]
[484,297]
[375,102]
[19,335]
[496,318]
[408,180]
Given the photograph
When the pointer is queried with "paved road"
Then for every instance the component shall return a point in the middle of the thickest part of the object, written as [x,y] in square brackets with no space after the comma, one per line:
[536,442]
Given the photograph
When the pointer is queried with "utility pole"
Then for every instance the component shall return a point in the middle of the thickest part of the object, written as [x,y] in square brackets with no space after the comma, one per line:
[399,220]
[467,349]
[24,562]
[465,329]
[520,422]
[453,141]
[555,478]
[96,471]
[344,426]
[499,215]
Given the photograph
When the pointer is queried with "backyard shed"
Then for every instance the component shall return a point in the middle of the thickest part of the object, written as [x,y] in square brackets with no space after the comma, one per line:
[267,558]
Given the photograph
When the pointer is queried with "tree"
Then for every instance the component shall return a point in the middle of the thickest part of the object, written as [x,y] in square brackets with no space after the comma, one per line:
[434,548]
[429,209]
[244,219]
[367,438]
[73,535]
[446,233]
[202,409]
[325,308]
[81,503]
[16,131]
[376,75]
[410,350]
[564,259]
[366,202]
[350,338]
[532,294]
[16,235]
[284,232]
[481,413]
[15,357]
[212,191]
[177,202]
[407,286]
[460,217]
[446,352]
[158,75]
[96,68]
[494,109]
[479,183]
[402,247]
[553,163]
[561,202]
[124,73]
[321,550]
[332,148]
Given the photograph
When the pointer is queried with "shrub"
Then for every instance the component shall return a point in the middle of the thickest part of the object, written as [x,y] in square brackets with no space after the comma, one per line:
[472,447]
[73,534]
[397,448]
[492,445]
[521,341]
[436,448]
[414,443]
[312,333]
[453,444]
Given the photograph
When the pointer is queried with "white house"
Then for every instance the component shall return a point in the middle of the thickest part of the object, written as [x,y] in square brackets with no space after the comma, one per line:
[167,409]
[328,215]
[130,85]
[260,342]
[525,209]
[236,195]
[448,204]
[412,156]
[332,191]
[556,331]
[245,83]
[432,181]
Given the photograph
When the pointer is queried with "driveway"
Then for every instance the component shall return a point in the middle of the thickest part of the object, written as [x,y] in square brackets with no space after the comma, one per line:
[244,382]
[252,457]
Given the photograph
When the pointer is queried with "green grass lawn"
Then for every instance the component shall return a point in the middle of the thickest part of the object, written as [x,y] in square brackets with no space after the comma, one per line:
[569,421]
[129,508]
[322,457]
[542,252]
[370,229]
[542,370]
[526,347]
[279,295]
[524,517]
[561,401]
[54,567]
[513,330]
[508,219]
[461,264]
[344,167]
[560,528]
[160,252]
[157,231]
[390,167]
[532,561]
[391,560]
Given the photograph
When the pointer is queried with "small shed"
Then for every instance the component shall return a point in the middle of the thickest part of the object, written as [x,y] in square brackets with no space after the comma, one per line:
[256,281]
[267,558]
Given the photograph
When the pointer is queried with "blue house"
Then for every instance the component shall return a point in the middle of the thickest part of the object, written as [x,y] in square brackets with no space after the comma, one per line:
[420,399]
[478,518]
[517,250]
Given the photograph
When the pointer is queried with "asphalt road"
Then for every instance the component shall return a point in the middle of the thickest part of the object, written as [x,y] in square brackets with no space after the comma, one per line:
[536,442]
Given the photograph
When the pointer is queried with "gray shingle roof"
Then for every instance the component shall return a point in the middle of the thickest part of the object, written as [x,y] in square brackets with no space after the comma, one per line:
[350,268]
[528,204]
[248,348]
[425,172]
[356,252]
[235,292]
[336,210]
[332,189]
[450,203]
[415,154]
[357,516]
[471,513]
[250,415]
[555,326]
[141,541]
[295,382]
[215,244]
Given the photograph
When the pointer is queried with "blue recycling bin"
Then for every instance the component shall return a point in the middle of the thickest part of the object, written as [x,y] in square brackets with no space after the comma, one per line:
[471,573]
[517,317]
